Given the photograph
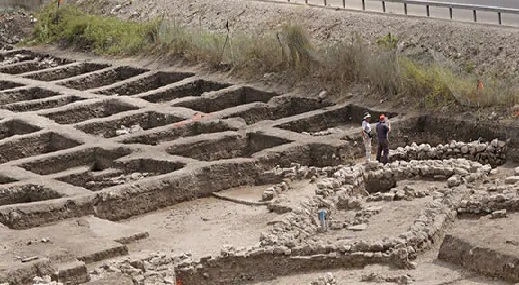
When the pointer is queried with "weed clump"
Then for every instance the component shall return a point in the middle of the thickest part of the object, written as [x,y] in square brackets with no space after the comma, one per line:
[71,27]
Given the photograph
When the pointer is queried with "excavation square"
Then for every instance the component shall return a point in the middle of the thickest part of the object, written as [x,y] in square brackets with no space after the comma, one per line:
[148,83]
[119,173]
[91,158]
[9,97]
[18,194]
[35,105]
[284,107]
[82,113]
[4,179]
[66,72]
[16,127]
[102,78]
[343,118]
[185,130]
[241,96]
[227,147]
[130,124]
[195,89]
[17,56]
[34,145]
[5,85]
[37,63]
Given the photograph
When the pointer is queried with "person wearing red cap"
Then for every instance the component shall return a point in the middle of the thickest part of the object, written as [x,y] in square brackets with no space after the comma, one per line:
[383,143]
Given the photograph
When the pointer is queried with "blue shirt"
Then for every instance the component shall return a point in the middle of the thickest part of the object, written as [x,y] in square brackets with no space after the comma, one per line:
[382,130]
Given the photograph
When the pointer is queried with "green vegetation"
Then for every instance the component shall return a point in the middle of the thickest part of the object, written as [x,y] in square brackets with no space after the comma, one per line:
[287,50]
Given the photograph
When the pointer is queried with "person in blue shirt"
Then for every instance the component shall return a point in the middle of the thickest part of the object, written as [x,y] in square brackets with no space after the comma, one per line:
[383,143]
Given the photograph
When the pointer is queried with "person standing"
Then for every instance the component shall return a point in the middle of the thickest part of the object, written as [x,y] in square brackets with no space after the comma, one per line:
[388,124]
[366,135]
[383,142]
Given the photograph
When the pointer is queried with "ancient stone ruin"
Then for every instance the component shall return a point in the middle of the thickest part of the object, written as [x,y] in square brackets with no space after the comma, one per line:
[102,163]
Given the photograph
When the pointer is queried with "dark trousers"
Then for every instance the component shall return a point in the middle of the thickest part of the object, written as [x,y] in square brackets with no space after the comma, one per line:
[383,146]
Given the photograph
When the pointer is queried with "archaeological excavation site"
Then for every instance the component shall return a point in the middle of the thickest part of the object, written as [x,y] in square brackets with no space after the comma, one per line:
[117,172]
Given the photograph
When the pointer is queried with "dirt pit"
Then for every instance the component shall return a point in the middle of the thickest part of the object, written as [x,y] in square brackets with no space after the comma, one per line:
[227,99]
[102,78]
[66,72]
[102,109]
[50,103]
[37,63]
[148,83]
[98,176]
[191,89]
[145,121]
[9,97]
[226,147]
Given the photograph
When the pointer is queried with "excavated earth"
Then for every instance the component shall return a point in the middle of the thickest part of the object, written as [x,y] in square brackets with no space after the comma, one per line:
[119,172]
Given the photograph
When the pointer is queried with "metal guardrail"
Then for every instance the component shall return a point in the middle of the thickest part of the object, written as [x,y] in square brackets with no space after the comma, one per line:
[451,6]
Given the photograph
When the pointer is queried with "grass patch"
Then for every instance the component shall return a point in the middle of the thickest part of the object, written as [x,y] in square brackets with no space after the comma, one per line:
[288,49]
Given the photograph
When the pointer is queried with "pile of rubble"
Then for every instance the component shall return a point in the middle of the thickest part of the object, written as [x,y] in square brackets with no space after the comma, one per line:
[327,279]
[45,280]
[119,180]
[156,268]
[491,199]
[403,279]
[493,152]
[129,130]
[375,177]
[329,131]
[295,172]
[407,193]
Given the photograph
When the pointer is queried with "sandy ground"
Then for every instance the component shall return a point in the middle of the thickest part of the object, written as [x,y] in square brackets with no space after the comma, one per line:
[201,227]
[501,235]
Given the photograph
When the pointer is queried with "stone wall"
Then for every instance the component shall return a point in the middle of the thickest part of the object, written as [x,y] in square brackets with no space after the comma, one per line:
[493,152]
[490,199]
[288,247]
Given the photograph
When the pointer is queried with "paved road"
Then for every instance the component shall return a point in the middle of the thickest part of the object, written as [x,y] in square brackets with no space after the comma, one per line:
[436,12]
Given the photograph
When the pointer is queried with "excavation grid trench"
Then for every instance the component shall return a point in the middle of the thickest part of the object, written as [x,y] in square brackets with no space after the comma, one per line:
[285,107]
[9,97]
[240,96]
[102,78]
[42,104]
[193,89]
[184,130]
[66,72]
[16,127]
[143,122]
[92,158]
[17,194]
[82,113]
[98,177]
[227,147]
[151,82]
[32,145]
[34,65]
[6,85]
